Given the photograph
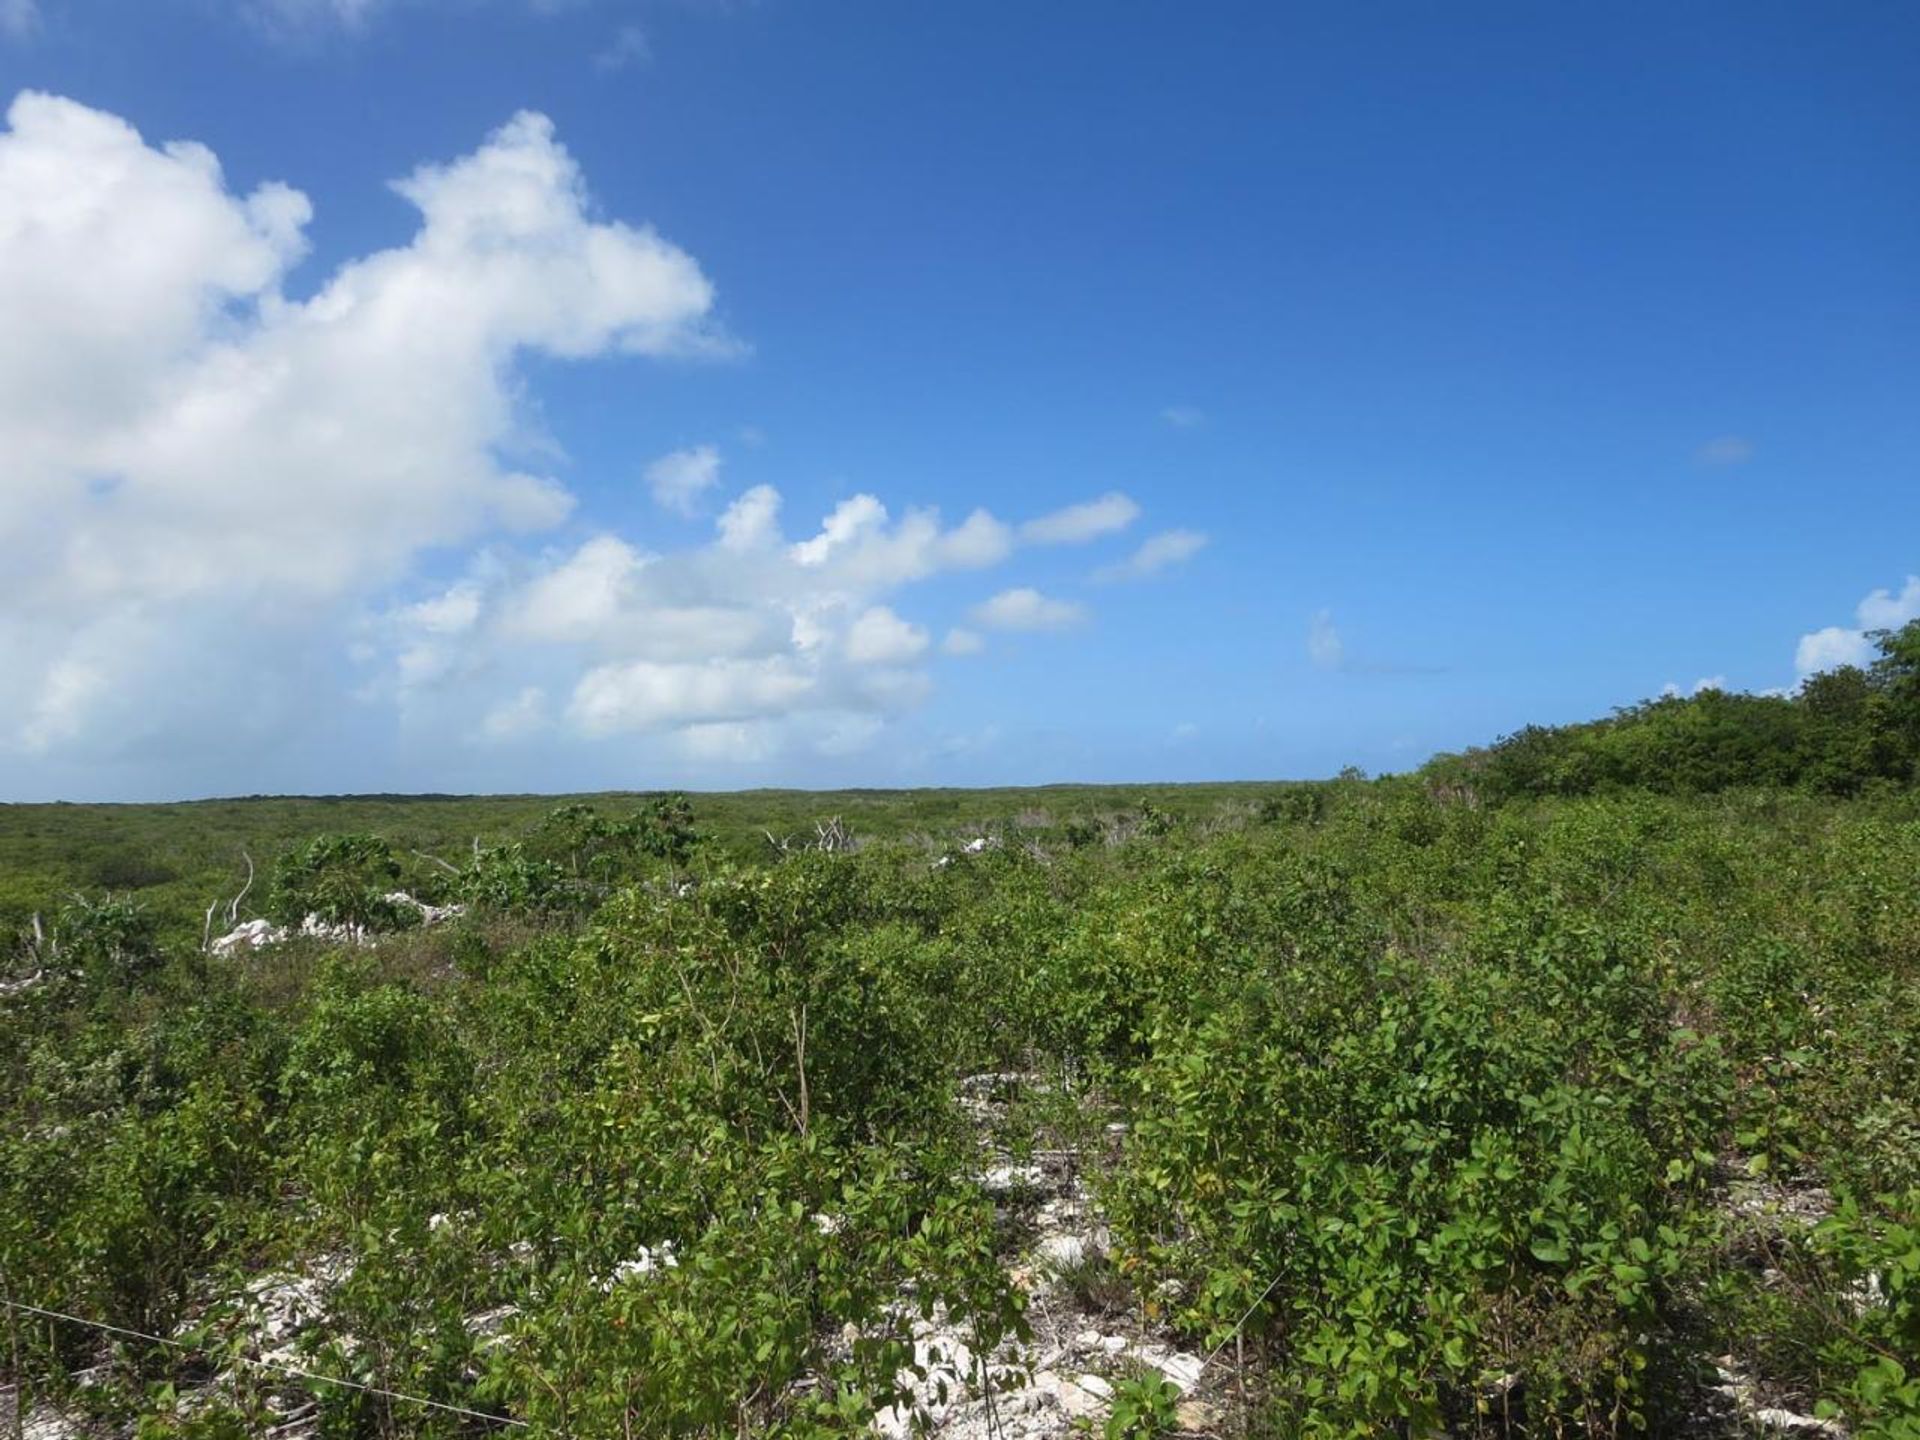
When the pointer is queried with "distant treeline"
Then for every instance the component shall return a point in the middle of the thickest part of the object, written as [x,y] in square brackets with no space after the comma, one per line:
[1844,732]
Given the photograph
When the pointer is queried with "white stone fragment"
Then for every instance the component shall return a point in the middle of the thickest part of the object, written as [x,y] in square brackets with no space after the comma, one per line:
[1064,1252]
[249,935]
[650,1259]
[1004,1179]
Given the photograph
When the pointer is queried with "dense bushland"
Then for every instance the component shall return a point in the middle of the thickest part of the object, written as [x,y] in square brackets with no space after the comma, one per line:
[1492,1117]
[1844,732]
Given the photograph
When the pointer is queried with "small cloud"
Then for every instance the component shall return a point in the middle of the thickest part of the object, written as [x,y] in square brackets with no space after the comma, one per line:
[1183,732]
[1077,524]
[451,613]
[19,18]
[752,436]
[1724,451]
[290,19]
[1184,417]
[976,542]
[1327,650]
[679,480]
[1324,646]
[961,641]
[1837,645]
[629,47]
[1831,648]
[1157,553]
[1027,609]
[1884,610]
[1672,690]
[752,522]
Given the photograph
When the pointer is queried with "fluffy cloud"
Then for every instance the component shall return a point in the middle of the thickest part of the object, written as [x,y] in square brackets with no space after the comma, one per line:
[647,695]
[1027,609]
[749,638]
[1700,686]
[1077,524]
[1830,648]
[1837,645]
[880,637]
[752,522]
[1886,610]
[1156,553]
[679,479]
[221,503]
[962,641]
[195,463]
[861,543]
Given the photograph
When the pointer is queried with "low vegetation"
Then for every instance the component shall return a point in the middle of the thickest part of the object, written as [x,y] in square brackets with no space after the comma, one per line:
[1483,1101]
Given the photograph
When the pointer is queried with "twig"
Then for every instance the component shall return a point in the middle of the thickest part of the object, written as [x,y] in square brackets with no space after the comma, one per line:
[16,1305]
[450,869]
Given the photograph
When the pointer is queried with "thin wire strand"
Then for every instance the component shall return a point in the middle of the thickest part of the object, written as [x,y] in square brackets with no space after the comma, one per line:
[1272,1285]
[270,1365]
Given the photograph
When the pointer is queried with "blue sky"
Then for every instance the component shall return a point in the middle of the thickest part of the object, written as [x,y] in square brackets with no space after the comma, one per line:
[1486,364]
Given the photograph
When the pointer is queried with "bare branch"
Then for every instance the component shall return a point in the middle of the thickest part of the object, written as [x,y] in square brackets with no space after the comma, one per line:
[233,907]
[435,859]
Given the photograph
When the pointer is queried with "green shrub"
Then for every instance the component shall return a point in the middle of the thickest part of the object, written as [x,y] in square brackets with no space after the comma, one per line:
[343,880]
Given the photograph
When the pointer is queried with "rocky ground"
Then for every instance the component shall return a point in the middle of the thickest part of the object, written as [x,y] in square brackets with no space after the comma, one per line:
[1088,1337]
[1089,1333]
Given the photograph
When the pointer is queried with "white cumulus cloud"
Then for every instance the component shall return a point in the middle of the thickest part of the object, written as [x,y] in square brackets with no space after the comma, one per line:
[1835,645]
[678,480]
[1025,608]
[1706,682]
[1156,553]
[221,503]
[880,637]
[646,694]
[1077,524]
[189,454]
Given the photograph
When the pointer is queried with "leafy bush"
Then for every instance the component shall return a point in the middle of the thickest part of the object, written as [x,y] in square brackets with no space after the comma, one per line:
[1847,731]
[342,879]
[108,940]
[1877,1257]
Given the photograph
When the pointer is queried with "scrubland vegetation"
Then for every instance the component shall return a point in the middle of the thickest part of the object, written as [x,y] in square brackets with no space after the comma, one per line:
[1570,1087]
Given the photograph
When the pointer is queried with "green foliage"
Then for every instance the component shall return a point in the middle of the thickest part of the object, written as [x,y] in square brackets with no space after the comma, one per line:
[586,845]
[106,940]
[1876,1253]
[506,880]
[1845,732]
[1143,1407]
[342,879]
[1439,1107]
